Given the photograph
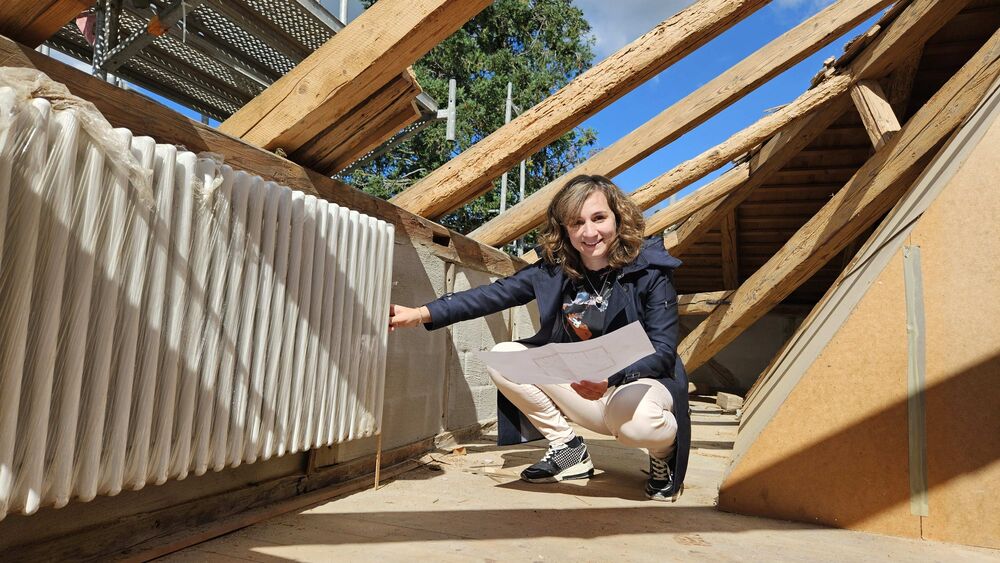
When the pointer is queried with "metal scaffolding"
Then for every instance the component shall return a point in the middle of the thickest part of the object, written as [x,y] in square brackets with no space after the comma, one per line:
[212,56]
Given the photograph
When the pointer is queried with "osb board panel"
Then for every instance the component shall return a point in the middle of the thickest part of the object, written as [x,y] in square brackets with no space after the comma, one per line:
[835,453]
[959,238]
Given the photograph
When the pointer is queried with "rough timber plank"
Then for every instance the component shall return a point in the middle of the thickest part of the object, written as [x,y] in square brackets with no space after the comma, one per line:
[31,22]
[367,54]
[876,113]
[900,84]
[129,109]
[778,55]
[470,174]
[869,194]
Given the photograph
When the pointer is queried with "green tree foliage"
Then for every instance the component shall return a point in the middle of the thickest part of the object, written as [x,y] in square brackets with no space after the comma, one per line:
[539,46]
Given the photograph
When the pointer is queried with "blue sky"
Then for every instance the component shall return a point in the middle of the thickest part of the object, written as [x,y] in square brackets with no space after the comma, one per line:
[617,23]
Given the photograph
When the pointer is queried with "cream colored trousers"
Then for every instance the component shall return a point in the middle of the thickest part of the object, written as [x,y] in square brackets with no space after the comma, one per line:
[637,414]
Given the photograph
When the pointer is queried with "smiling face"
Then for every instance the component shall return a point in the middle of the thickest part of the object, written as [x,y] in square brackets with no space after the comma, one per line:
[593,232]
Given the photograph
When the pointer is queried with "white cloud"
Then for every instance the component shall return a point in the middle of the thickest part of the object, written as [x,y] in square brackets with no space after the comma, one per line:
[616,23]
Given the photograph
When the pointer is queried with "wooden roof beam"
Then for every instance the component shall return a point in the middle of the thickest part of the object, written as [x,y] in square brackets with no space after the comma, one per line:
[876,186]
[876,113]
[31,22]
[470,174]
[354,64]
[769,61]
[907,33]
[899,85]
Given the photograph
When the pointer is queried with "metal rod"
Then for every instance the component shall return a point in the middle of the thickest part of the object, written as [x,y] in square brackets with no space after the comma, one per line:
[378,458]
[523,173]
[506,119]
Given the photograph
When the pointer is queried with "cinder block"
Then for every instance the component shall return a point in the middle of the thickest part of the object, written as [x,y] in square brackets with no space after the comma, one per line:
[729,402]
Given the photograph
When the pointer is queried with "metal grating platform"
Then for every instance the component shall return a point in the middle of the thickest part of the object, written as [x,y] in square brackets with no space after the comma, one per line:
[230,52]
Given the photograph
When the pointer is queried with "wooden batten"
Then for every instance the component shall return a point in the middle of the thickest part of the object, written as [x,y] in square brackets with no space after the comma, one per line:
[354,64]
[31,22]
[869,194]
[876,112]
[775,57]
[470,174]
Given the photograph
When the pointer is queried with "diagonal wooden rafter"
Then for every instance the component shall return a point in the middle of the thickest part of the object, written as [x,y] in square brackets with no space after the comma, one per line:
[870,193]
[778,55]
[354,64]
[469,174]
[906,34]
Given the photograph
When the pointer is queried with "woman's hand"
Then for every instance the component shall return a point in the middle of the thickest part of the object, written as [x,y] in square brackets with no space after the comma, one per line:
[591,390]
[406,317]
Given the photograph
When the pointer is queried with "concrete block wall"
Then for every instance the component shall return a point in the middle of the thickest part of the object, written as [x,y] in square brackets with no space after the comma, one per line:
[434,381]
[470,396]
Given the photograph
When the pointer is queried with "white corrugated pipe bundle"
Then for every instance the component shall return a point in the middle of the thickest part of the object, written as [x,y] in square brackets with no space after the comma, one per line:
[161,313]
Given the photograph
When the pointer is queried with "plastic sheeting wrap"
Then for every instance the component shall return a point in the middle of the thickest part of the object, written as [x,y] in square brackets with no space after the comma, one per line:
[162,313]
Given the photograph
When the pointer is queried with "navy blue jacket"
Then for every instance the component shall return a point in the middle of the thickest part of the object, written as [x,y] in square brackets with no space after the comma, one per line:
[643,292]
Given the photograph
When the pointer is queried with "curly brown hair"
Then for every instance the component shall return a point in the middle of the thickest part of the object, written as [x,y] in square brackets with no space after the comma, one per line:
[556,247]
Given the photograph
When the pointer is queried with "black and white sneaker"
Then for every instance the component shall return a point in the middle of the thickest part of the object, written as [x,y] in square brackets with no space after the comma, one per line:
[660,484]
[561,462]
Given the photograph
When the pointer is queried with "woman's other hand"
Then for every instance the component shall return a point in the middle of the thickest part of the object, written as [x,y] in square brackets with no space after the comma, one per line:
[591,390]
[406,317]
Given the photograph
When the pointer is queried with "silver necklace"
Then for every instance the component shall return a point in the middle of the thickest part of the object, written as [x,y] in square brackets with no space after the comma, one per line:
[604,285]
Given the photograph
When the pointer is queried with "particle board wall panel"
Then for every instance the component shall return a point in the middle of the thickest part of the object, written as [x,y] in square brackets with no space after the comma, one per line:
[824,455]
[960,248]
